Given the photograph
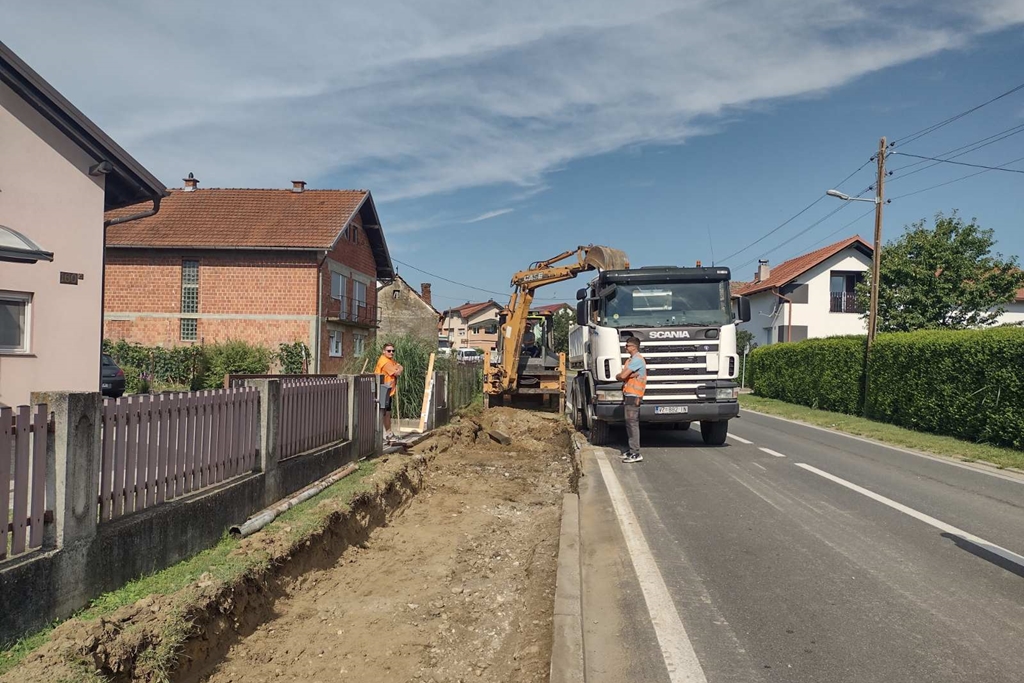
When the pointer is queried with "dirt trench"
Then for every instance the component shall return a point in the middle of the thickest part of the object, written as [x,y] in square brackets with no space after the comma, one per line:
[459,587]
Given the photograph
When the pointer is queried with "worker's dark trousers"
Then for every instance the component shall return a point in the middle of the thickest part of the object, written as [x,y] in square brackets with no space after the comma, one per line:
[632,404]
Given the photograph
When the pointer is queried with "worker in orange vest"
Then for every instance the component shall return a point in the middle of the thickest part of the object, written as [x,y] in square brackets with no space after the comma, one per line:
[391,369]
[634,377]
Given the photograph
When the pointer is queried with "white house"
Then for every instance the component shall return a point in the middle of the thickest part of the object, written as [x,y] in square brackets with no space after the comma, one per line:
[808,296]
[58,174]
[1014,311]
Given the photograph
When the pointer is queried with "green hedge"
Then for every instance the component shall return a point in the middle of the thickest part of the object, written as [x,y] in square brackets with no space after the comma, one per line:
[148,368]
[821,373]
[966,383]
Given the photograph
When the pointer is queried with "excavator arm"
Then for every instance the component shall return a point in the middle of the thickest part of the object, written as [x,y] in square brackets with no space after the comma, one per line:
[502,378]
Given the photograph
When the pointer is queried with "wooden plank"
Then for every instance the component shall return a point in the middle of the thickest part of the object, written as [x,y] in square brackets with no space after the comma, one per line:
[118,500]
[39,434]
[19,512]
[193,434]
[163,412]
[6,443]
[173,455]
[143,488]
[132,439]
[215,439]
[203,425]
[107,459]
[236,454]
[428,387]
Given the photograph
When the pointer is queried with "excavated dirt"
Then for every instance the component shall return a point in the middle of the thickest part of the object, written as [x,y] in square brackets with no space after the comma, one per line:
[460,587]
[453,584]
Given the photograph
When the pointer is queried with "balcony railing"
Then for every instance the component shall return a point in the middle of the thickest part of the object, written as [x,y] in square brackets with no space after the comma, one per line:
[350,310]
[844,302]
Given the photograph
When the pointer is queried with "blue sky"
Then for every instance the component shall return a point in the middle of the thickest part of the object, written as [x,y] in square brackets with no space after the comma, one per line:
[493,136]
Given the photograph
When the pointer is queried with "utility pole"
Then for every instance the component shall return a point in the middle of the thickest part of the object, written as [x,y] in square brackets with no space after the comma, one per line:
[876,261]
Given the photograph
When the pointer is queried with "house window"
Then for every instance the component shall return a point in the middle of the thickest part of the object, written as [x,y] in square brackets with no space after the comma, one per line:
[339,291]
[189,299]
[359,298]
[843,292]
[358,344]
[394,294]
[14,322]
[334,343]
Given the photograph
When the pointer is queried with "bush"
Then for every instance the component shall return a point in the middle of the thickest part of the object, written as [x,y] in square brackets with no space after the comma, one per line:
[968,384]
[185,367]
[827,374]
[232,358]
[293,358]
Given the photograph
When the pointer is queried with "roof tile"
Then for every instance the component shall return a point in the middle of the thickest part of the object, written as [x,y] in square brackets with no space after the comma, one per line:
[795,267]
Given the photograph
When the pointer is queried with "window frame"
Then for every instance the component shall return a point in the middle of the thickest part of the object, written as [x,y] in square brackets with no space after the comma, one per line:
[189,317]
[358,344]
[336,338]
[25,299]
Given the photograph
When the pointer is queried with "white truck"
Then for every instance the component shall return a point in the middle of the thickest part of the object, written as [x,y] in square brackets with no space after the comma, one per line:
[686,321]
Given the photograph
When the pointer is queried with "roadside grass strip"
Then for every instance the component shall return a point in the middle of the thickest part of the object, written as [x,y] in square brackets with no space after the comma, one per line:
[888,434]
[219,564]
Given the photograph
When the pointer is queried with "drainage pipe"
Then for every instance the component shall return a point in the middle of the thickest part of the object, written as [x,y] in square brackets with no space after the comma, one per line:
[268,515]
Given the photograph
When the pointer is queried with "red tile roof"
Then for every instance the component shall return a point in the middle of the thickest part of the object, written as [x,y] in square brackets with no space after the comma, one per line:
[1020,295]
[214,217]
[790,270]
[468,309]
[550,308]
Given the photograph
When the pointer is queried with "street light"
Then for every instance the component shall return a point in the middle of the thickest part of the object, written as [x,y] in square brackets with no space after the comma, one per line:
[847,198]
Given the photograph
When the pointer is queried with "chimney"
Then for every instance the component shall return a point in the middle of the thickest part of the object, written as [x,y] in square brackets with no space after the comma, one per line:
[298,185]
[191,183]
[763,271]
[425,292]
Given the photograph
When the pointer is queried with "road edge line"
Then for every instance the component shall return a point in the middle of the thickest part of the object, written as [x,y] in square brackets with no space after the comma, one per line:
[567,622]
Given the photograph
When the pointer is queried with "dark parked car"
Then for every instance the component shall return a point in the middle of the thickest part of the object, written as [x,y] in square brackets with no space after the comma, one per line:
[112,382]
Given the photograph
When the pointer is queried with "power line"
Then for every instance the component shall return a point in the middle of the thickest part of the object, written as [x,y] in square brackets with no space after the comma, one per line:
[956,180]
[907,139]
[975,146]
[961,163]
[796,215]
[839,230]
[463,284]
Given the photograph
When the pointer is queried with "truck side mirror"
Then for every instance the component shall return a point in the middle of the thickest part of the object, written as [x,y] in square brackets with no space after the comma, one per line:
[581,294]
[742,309]
[581,313]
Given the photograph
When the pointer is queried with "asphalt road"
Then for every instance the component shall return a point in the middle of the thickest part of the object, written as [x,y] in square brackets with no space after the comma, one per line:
[823,558]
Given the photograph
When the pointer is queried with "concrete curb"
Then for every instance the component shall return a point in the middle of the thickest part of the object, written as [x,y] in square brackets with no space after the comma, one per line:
[567,637]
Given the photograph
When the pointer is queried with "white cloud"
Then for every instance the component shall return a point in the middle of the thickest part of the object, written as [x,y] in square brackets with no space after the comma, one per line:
[489,215]
[413,98]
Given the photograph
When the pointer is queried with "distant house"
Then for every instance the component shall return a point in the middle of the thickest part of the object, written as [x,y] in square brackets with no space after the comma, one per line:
[812,295]
[58,174]
[264,266]
[1013,313]
[551,308]
[471,326]
[404,311]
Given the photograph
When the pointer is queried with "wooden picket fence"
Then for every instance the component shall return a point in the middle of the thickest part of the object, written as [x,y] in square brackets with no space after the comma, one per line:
[23,440]
[314,413]
[158,448]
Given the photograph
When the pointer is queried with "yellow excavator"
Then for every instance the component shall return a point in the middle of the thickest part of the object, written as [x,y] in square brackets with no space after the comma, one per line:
[536,370]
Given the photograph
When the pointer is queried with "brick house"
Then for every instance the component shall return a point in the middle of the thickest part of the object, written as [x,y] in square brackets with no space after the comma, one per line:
[471,326]
[263,266]
[403,310]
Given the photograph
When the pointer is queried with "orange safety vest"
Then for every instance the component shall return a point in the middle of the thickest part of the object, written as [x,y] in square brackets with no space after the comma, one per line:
[386,366]
[636,384]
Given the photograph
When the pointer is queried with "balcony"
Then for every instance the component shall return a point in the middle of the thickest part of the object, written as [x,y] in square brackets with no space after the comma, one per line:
[351,311]
[844,302]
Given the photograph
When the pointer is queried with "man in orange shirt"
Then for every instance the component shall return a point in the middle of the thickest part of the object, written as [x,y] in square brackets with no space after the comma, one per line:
[389,367]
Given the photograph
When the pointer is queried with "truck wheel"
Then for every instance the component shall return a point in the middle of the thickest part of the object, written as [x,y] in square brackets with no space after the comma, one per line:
[714,433]
[600,432]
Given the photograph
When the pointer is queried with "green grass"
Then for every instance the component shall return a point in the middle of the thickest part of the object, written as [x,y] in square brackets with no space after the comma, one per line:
[887,433]
[218,563]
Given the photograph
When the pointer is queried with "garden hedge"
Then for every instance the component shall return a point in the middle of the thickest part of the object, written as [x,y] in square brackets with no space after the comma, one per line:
[966,383]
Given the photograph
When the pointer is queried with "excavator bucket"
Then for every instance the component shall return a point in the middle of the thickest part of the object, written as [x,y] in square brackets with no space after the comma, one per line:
[606,258]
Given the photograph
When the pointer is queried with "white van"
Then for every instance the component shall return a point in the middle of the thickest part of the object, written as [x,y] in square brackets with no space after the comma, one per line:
[468,356]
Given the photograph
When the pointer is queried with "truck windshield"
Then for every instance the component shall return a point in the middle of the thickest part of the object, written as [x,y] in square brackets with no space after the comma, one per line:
[667,305]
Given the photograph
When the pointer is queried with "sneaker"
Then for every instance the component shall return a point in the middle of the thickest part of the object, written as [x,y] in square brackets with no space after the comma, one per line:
[632,457]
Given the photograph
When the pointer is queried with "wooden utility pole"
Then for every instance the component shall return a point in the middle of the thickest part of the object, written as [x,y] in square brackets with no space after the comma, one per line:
[876,261]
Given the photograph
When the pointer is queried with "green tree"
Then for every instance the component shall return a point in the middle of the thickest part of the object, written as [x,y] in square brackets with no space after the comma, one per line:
[561,324]
[744,337]
[942,277]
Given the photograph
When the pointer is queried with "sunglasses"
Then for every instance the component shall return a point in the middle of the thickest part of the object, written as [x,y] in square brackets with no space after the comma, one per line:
[389,350]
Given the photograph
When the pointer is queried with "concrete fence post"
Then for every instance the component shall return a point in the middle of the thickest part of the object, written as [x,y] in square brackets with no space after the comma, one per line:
[350,434]
[270,410]
[76,463]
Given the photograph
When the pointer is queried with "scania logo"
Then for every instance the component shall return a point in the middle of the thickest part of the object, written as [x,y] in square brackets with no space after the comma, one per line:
[669,334]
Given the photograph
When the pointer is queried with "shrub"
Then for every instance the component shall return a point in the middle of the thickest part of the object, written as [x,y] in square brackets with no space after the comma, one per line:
[968,384]
[293,358]
[232,358]
[821,373]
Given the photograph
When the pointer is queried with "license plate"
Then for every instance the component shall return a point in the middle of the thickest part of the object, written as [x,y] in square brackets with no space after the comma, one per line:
[106,385]
[671,410]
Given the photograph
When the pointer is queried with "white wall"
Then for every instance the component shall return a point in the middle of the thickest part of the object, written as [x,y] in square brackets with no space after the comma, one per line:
[767,311]
[47,195]
[1014,313]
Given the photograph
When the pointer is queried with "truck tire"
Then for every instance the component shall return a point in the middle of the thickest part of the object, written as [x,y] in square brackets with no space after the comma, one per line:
[600,432]
[714,433]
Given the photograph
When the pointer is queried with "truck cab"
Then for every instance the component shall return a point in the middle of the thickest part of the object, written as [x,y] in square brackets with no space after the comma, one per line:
[685,319]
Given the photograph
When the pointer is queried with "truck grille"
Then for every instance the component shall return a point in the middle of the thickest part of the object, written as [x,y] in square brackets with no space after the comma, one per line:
[675,369]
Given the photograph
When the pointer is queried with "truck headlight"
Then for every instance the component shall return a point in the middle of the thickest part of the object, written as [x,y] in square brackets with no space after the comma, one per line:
[729,394]
[609,396]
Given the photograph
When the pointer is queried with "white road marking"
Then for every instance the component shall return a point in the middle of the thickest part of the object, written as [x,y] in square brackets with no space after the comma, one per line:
[757,464]
[920,516]
[771,452]
[740,439]
[981,469]
[676,648]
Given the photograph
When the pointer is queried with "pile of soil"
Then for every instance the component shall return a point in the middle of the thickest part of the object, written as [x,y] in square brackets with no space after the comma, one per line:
[453,584]
[459,587]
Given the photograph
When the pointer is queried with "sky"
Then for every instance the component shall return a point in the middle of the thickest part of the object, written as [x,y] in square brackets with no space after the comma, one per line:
[493,135]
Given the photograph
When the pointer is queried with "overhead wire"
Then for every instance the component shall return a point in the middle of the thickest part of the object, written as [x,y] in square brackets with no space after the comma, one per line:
[956,180]
[463,284]
[945,156]
[962,163]
[907,139]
